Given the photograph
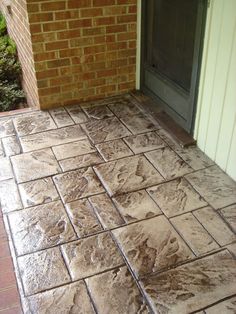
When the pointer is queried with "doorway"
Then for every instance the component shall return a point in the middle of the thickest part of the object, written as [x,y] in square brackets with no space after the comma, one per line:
[172,37]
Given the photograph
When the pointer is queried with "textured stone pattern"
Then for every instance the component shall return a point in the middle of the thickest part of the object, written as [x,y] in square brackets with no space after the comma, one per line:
[107,214]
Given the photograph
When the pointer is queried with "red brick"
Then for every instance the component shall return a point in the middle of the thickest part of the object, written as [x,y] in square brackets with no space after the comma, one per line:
[12,310]
[7,279]
[91,12]
[4,249]
[57,45]
[85,49]
[80,23]
[116,28]
[6,264]
[104,73]
[77,4]
[53,6]
[104,20]
[9,298]
[40,17]
[58,63]
[54,26]
[47,74]
[100,3]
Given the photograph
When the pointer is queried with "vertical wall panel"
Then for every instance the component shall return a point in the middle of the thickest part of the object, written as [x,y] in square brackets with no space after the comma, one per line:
[216,109]
[231,167]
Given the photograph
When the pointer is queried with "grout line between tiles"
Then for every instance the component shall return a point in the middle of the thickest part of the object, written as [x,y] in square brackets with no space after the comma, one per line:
[90,297]
[135,278]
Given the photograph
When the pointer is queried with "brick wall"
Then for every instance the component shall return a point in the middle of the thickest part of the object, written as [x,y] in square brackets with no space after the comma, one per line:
[19,30]
[83,49]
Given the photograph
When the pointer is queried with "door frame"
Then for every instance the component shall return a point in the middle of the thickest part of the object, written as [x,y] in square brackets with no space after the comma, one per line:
[201,29]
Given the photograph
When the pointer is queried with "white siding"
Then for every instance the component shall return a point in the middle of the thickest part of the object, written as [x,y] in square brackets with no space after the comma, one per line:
[215,128]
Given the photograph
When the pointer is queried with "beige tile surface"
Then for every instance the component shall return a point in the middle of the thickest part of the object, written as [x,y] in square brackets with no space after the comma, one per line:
[194,234]
[97,191]
[106,211]
[34,123]
[105,130]
[114,150]
[73,149]
[72,298]
[81,161]
[176,197]
[124,107]
[77,184]
[35,165]
[215,225]
[9,201]
[11,146]
[52,138]
[61,117]
[194,157]
[229,214]
[232,249]
[2,154]
[77,115]
[38,192]
[98,112]
[127,174]
[40,227]
[87,257]
[83,218]
[225,307]
[6,128]
[215,186]
[144,142]
[5,169]
[151,245]
[168,163]
[192,286]
[139,123]
[42,270]
[136,205]
[116,292]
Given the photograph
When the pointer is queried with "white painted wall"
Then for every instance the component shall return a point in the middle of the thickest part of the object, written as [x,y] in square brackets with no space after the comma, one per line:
[215,127]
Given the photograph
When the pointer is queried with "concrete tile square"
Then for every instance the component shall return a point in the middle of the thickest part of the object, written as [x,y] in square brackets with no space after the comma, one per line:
[72,297]
[218,189]
[34,123]
[136,206]
[144,142]
[193,286]
[77,184]
[116,292]
[40,227]
[127,174]
[214,224]
[168,163]
[105,130]
[38,192]
[90,256]
[42,270]
[151,245]
[35,165]
[176,197]
[114,150]
[194,234]
[83,218]
[106,211]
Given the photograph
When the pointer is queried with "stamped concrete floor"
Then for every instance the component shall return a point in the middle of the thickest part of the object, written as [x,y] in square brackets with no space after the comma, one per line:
[106,214]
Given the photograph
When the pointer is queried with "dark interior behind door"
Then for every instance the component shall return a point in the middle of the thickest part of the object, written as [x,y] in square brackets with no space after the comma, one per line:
[171,54]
